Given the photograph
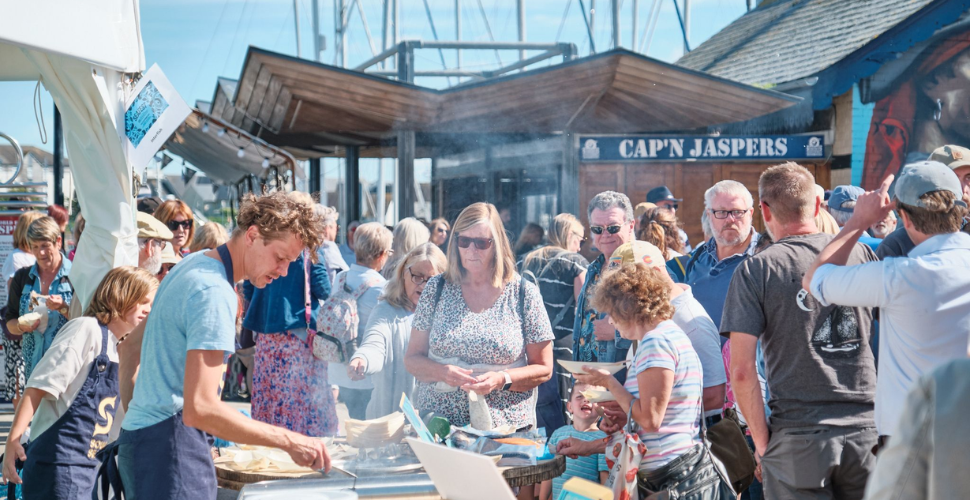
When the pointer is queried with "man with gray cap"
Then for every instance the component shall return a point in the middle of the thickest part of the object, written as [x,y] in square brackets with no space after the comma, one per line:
[958,159]
[842,203]
[924,299]
[152,235]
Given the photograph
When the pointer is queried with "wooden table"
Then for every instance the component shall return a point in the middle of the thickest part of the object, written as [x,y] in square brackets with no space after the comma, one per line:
[515,476]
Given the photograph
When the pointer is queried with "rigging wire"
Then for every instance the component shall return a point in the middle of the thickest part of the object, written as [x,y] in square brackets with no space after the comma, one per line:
[198,73]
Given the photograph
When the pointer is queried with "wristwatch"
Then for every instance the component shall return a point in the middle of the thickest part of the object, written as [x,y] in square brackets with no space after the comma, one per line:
[508,381]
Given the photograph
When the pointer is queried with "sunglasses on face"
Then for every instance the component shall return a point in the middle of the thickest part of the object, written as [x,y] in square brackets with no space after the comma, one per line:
[440,230]
[581,237]
[724,214]
[480,243]
[173,225]
[598,230]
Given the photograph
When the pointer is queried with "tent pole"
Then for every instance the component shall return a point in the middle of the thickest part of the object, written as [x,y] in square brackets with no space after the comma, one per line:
[59,159]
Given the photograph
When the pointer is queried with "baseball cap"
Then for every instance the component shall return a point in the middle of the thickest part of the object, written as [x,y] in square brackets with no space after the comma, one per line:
[168,255]
[150,227]
[917,179]
[642,208]
[951,156]
[661,194]
[843,194]
[636,252]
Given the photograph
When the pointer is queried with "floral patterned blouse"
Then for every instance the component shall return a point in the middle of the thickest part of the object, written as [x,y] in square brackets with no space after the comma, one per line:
[495,336]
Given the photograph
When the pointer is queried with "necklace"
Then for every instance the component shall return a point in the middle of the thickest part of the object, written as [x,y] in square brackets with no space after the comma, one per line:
[123,337]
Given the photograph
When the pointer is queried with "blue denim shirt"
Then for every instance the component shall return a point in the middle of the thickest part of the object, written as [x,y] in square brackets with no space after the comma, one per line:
[710,277]
[585,345]
[279,306]
[36,343]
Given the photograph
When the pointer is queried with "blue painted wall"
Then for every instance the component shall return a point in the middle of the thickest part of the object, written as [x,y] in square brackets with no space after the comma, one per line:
[861,117]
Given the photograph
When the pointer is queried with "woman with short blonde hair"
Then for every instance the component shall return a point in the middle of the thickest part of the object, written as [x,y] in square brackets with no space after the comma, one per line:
[177,215]
[210,236]
[408,233]
[480,329]
[388,330]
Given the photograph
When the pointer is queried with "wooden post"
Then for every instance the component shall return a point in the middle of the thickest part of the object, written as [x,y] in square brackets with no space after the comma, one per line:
[405,175]
[352,183]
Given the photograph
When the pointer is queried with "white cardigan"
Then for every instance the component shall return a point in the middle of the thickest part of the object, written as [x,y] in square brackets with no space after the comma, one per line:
[383,347]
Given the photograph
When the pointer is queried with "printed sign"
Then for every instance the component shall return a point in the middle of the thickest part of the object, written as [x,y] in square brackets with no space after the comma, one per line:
[700,148]
[152,114]
[7,225]
[415,420]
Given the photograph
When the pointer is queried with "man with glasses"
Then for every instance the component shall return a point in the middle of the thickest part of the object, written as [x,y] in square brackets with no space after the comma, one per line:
[729,206]
[152,235]
[610,216]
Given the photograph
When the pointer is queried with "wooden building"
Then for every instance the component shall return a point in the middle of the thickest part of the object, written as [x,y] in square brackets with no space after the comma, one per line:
[512,140]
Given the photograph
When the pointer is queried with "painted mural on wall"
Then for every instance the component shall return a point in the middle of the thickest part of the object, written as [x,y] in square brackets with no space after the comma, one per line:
[922,103]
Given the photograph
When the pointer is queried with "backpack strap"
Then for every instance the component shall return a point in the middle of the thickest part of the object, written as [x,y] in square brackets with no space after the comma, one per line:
[306,288]
[362,289]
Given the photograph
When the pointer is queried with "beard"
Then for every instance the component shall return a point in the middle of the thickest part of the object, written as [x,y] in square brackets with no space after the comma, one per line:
[734,240]
[153,264]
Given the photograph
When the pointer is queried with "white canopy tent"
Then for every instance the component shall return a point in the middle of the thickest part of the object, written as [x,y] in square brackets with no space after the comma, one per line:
[83,56]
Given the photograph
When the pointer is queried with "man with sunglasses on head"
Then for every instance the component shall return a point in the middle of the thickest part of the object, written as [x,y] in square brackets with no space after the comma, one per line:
[610,216]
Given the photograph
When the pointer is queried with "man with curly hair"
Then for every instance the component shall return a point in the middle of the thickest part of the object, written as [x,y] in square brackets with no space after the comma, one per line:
[163,451]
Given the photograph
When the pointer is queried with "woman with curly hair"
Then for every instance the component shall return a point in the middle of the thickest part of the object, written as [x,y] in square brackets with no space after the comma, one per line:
[663,388]
[660,227]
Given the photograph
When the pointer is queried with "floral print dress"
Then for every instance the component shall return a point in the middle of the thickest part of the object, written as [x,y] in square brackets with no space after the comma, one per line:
[495,336]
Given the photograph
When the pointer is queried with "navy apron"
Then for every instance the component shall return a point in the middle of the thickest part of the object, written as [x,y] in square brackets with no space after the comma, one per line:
[168,460]
[61,463]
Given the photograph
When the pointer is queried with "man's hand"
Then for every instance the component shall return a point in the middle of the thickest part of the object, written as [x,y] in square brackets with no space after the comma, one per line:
[603,330]
[757,468]
[574,448]
[309,452]
[14,450]
[355,370]
[873,206]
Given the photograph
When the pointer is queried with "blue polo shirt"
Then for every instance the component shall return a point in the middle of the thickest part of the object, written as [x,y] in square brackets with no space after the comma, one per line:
[710,278]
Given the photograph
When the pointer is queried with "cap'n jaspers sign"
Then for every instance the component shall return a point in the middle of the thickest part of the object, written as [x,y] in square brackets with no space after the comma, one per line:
[700,148]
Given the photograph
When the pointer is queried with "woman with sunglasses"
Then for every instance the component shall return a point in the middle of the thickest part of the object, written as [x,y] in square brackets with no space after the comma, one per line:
[480,327]
[388,331]
[177,215]
[439,232]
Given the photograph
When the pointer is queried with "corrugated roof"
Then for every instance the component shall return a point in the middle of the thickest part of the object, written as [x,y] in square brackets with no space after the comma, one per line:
[786,40]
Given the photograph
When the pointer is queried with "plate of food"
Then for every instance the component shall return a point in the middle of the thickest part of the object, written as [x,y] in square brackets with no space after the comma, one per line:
[576,367]
[598,395]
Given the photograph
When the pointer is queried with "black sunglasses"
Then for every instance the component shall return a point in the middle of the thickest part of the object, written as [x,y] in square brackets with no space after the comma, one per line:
[598,230]
[480,243]
[175,224]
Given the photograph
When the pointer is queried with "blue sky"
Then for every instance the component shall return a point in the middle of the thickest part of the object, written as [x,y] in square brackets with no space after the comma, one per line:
[196,41]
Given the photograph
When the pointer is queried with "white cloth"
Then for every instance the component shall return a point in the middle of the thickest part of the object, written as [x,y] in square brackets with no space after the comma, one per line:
[63,370]
[691,317]
[15,261]
[356,276]
[924,313]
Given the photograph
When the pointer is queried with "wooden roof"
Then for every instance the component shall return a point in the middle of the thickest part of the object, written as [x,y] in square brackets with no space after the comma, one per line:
[306,106]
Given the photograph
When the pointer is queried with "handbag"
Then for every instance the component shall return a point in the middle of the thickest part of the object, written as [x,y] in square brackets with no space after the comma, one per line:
[728,445]
[623,454]
[324,347]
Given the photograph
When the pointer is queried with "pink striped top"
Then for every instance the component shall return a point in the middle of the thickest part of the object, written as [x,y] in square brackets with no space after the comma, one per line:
[668,347]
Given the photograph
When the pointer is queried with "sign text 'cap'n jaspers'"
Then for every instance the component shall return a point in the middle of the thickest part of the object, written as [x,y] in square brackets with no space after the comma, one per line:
[700,148]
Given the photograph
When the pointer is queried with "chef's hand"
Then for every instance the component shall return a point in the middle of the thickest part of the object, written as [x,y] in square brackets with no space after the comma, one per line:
[603,330]
[575,448]
[309,452]
[485,383]
[614,418]
[55,302]
[14,450]
[355,370]
[457,377]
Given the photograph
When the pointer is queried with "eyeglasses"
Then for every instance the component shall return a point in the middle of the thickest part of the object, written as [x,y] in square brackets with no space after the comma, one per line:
[670,206]
[582,238]
[417,279]
[173,225]
[480,243]
[723,214]
[441,230]
[598,230]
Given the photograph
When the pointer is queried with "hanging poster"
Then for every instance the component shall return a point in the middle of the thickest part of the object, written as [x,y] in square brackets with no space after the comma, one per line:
[154,111]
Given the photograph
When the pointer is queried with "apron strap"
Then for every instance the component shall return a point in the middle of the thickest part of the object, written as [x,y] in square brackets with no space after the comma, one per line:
[102,359]
[226,257]
[109,477]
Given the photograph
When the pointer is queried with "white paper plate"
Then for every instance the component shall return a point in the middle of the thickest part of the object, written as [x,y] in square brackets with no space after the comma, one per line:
[577,366]
[598,396]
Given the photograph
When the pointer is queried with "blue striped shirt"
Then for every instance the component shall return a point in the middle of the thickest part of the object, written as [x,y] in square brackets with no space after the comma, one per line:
[585,467]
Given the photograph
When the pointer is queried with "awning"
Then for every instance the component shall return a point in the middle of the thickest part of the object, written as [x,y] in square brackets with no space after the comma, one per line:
[213,146]
[306,106]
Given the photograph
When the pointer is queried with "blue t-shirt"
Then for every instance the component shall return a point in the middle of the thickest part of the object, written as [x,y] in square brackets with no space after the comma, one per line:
[588,468]
[195,309]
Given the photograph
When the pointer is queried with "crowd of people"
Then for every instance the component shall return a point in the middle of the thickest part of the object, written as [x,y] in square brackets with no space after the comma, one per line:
[837,338]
